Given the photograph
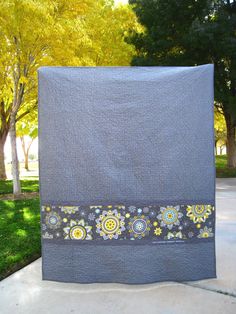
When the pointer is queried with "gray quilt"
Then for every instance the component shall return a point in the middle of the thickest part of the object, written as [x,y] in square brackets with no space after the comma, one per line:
[127,177]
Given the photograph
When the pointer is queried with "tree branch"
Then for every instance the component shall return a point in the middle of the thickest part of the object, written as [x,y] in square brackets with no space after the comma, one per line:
[26,112]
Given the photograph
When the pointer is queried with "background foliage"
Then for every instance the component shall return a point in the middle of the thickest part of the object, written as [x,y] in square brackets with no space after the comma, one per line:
[187,32]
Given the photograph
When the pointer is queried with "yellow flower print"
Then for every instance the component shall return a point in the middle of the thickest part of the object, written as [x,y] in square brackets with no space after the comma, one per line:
[158,231]
[78,230]
[69,209]
[199,213]
[205,233]
[110,224]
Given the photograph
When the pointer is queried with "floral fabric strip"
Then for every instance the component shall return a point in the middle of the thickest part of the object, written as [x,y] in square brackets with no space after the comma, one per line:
[119,222]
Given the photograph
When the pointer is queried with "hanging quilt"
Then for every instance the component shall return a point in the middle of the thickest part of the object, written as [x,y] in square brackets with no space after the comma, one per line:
[127,177]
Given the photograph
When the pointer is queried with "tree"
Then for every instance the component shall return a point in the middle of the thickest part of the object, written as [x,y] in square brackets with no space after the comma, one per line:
[187,32]
[5,104]
[21,52]
[97,38]
[27,131]
[24,51]
[106,37]
[220,130]
[36,32]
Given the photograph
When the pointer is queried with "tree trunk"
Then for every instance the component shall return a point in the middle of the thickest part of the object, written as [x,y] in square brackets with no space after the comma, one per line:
[3,175]
[221,149]
[231,144]
[15,164]
[26,153]
[27,161]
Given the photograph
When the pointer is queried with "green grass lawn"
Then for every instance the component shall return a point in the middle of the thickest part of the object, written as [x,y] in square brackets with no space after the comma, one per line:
[221,168]
[27,185]
[19,234]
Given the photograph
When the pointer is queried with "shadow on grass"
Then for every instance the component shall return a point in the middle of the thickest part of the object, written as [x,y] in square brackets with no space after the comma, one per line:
[27,185]
[222,171]
[19,234]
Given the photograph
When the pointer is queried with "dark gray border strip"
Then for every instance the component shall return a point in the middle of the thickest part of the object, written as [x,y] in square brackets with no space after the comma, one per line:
[127,242]
[127,203]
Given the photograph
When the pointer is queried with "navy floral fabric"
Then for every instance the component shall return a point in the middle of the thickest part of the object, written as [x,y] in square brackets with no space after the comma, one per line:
[120,222]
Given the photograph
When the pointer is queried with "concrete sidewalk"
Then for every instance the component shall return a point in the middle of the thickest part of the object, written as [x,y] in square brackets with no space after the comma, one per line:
[25,292]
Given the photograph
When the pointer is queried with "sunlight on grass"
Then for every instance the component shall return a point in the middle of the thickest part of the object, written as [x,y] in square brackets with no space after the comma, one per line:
[27,214]
[10,215]
[21,233]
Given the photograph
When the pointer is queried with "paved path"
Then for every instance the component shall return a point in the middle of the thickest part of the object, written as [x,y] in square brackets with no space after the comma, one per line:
[25,292]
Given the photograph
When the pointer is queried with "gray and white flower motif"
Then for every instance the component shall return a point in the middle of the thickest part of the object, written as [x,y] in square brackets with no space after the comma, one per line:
[83,213]
[44,227]
[174,235]
[91,216]
[190,234]
[47,235]
[131,209]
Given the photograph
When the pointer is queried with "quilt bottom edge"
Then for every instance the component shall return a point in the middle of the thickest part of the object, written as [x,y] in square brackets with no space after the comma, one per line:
[128,264]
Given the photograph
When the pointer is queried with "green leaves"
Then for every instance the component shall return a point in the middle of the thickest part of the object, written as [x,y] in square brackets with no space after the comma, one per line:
[189,32]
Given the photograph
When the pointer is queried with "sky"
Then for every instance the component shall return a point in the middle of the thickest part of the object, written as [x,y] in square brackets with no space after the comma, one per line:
[121,1]
[7,149]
